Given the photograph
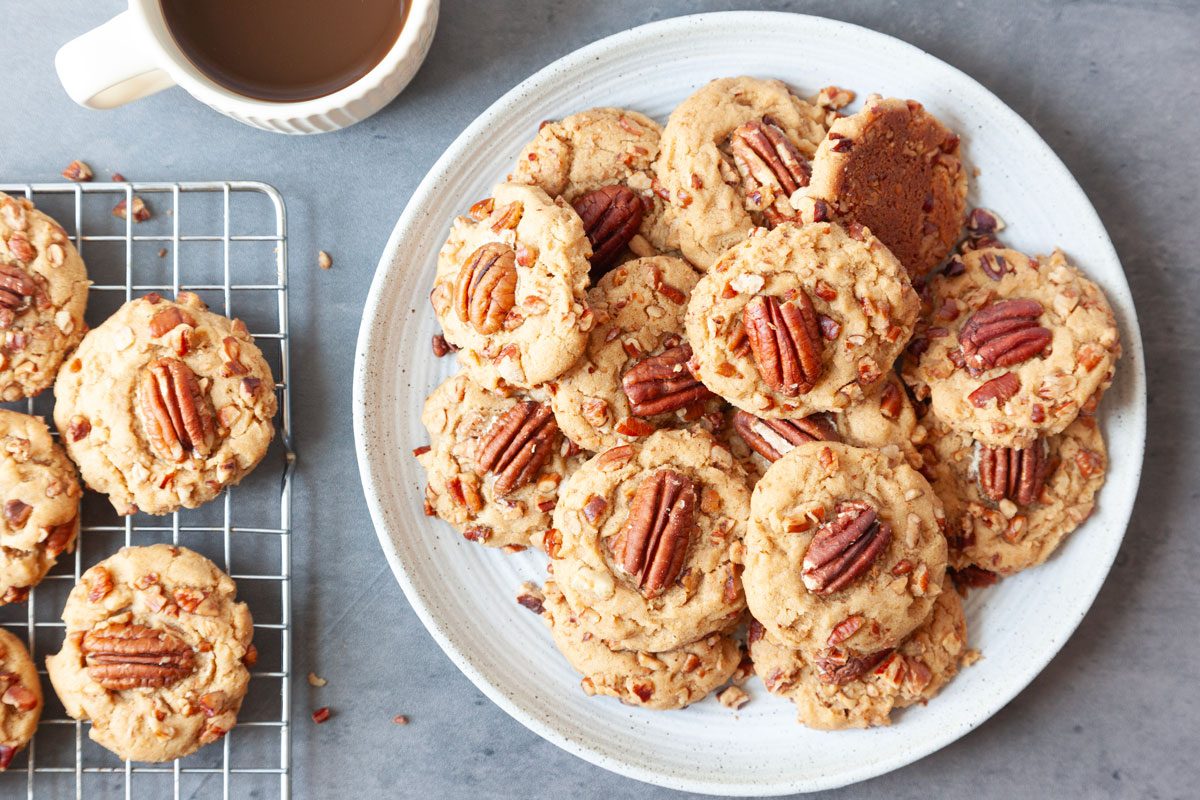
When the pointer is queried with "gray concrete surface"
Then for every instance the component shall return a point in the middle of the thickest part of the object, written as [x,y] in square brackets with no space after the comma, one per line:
[1115,90]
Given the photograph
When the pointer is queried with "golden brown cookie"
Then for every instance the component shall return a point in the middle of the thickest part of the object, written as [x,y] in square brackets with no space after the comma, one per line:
[894,168]
[155,653]
[633,377]
[733,154]
[20,697]
[1014,346]
[593,160]
[661,681]
[40,493]
[43,294]
[830,694]
[165,404]
[1008,509]
[494,463]
[845,550]
[511,285]
[800,319]
[649,541]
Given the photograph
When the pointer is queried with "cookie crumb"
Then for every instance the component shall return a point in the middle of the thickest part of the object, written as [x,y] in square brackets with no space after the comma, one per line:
[733,697]
[321,714]
[162,252]
[316,680]
[400,719]
[78,171]
[324,260]
[118,178]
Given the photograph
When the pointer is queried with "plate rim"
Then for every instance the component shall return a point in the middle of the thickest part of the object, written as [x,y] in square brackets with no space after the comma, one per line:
[1133,361]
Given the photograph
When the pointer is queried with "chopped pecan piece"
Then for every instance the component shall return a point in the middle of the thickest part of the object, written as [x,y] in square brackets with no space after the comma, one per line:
[1018,475]
[611,216]
[771,168]
[1001,389]
[653,545]
[844,548]
[174,413]
[662,383]
[486,288]
[16,290]
[169,319]
[837,668]
[518,445]
[1003,334]
[773,438]
[785,340]
[128,656]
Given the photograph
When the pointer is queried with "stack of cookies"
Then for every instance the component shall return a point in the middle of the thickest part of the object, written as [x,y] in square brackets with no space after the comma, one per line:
[761,388]
[160,407]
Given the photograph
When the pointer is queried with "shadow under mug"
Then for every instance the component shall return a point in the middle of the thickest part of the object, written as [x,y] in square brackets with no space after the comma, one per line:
[133,55]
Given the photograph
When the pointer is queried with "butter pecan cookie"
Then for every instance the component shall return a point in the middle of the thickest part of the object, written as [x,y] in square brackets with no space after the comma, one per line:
[43,294]
[845,550]
[1008,509]
[601,162]
[861,692]
[660,681]
[165,404]
[1014,346]
[884,420]
[800,319]
[155,653]
[20,698]
[41,504]
[511,285]
[633,377]
[494,463]
[648,545]
[894,168]
[733,154]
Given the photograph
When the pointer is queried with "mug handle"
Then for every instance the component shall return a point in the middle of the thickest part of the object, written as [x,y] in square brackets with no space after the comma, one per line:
[111,65]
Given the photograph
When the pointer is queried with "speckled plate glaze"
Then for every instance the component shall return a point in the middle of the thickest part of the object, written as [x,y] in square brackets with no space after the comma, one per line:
[464,593]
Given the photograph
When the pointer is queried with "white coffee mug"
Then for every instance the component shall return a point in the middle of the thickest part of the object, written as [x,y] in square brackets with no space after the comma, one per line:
[133,55]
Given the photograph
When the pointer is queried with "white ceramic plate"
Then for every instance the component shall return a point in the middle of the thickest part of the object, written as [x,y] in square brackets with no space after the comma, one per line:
[464,593]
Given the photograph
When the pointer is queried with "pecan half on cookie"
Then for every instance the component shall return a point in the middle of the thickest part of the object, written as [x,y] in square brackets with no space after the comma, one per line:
[845,547]
[517,445]
[774,438]
[662,383]
[125,656]
[611,217]
[175,414]
[486,288]
[653,545]
[785,339]
[1013,473]
[1003,334]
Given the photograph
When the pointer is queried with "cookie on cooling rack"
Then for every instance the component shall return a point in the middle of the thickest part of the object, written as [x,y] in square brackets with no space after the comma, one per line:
[20,697]
[40,495]
[43,294]
[165,404]
[156,653]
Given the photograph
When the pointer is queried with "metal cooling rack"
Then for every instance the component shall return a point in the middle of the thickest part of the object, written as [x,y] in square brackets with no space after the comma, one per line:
[226,241]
